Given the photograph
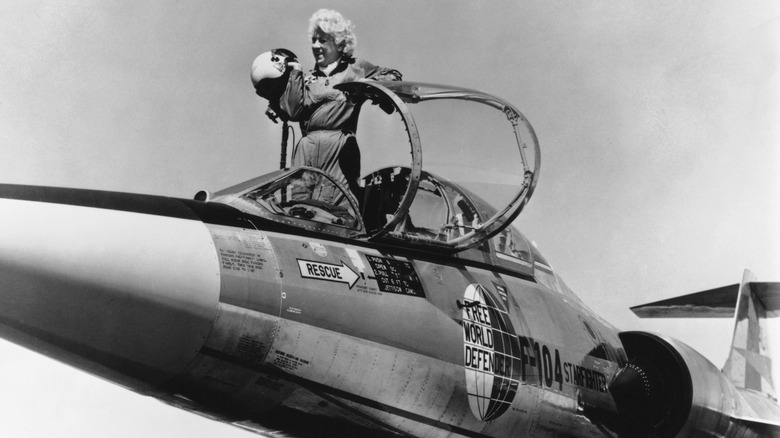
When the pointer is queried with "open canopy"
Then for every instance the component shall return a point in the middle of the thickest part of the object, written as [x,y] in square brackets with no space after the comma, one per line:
[402,201]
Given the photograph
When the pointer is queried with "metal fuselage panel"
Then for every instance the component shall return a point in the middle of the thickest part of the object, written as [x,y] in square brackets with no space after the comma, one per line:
[395,340]
[127,296]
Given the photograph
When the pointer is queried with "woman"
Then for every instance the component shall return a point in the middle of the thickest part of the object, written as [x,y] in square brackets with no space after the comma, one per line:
[328,120]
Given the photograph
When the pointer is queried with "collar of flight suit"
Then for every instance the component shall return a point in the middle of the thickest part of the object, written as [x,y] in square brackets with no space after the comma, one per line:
[344,61]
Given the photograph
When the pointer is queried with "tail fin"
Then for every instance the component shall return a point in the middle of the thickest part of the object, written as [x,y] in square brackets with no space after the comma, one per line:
[749,364]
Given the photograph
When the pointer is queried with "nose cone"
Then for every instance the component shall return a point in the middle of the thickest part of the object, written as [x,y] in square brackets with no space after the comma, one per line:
[128,296]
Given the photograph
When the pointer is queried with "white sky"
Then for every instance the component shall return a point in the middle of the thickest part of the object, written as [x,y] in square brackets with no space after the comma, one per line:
[658,125]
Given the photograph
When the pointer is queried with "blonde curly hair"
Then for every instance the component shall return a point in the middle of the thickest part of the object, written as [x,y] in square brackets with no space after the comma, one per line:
[335,25]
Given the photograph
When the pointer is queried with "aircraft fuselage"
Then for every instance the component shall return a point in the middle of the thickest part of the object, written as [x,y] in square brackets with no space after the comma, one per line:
[234,317]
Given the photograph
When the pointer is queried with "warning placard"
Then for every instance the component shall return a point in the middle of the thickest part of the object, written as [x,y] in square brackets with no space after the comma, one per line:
[396,276]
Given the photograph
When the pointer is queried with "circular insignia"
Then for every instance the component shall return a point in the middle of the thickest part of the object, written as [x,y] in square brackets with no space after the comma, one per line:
[490,350]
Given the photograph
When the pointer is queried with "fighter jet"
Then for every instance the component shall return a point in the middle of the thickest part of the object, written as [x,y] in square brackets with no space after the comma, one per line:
[410,306]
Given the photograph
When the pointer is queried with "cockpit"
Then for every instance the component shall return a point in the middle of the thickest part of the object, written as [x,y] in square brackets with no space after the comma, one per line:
[399,201]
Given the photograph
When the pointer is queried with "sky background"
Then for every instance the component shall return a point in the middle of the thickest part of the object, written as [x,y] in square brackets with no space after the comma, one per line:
[658,123]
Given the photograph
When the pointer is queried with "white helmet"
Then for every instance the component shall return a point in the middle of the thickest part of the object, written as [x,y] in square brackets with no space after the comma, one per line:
[268,69]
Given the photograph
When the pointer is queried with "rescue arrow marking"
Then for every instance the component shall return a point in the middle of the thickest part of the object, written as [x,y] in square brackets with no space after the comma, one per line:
[328,272]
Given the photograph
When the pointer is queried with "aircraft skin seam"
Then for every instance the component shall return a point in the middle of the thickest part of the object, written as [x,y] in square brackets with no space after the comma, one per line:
[320,388]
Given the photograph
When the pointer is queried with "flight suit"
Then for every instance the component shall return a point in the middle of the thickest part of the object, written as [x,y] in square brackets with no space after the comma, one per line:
[328,120]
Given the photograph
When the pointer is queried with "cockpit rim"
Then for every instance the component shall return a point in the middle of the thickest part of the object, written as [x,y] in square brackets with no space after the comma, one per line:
[394,96]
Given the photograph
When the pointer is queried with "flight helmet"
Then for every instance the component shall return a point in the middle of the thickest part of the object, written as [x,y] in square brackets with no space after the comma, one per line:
[269,73]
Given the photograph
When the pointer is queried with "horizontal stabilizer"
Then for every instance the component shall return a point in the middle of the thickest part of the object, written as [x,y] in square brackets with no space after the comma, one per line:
[714,303]
[750,303]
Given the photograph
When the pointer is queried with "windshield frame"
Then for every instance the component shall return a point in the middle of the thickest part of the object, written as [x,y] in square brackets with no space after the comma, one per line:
[237,197]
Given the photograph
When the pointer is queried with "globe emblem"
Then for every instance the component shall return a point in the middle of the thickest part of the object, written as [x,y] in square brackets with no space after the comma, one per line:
[491,354]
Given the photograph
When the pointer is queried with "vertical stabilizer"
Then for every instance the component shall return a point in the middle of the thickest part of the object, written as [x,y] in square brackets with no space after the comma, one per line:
[749,364]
